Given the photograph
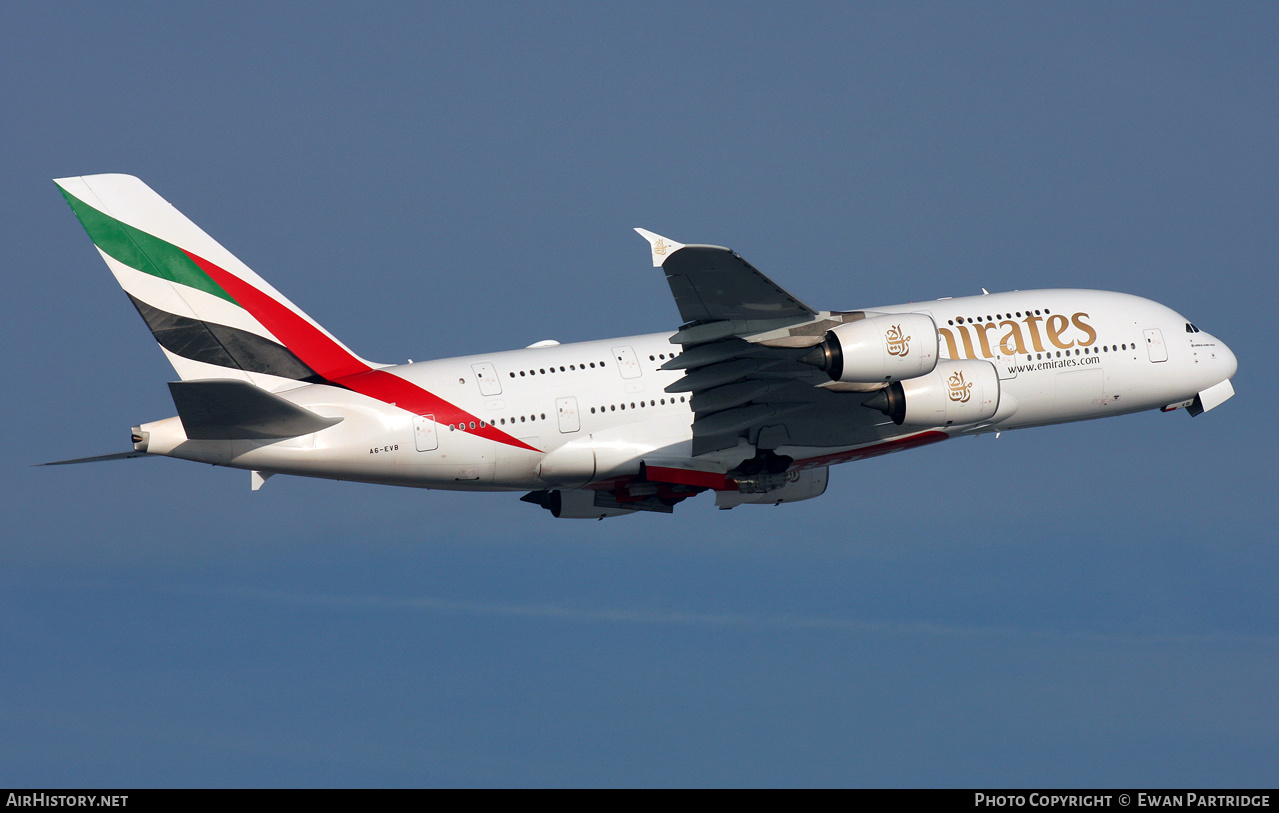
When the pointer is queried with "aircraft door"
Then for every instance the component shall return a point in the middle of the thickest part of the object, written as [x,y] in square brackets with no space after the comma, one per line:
[486,376]
[424,435]
[1006,364]
[1155,345]
[568,416]
[627,363]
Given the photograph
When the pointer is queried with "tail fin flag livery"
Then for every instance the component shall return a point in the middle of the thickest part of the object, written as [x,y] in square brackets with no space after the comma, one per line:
[753,397]
[211,314]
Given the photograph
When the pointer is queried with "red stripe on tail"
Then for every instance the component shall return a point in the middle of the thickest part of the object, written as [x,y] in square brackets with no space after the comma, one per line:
[322,353]
[316,349]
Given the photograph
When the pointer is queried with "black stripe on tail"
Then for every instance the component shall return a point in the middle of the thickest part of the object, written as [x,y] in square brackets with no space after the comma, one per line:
[223,346]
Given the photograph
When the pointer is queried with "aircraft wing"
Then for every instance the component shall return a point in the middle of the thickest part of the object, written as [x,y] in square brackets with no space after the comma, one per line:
[740,389]
[714,284]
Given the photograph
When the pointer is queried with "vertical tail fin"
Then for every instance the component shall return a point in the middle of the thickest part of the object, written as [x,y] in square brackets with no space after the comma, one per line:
[212,315]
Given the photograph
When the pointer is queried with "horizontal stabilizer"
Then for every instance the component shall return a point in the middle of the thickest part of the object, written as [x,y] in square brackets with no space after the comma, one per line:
[95,459]
[228,409]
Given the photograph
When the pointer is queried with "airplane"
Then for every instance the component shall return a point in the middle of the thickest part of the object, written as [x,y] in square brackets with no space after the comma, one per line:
[754,397]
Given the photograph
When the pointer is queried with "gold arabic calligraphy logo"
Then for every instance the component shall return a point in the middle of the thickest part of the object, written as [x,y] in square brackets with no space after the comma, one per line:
[898,345]
[959,390]
[659,248]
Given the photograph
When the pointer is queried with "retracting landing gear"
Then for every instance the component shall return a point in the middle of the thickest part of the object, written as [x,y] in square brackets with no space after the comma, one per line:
[768,461]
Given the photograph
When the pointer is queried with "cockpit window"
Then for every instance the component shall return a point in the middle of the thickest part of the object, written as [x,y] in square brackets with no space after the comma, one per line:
[1191,328]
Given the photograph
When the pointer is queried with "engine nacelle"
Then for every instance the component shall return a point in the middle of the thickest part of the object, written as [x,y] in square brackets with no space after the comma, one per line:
[956,393]
[573,504]
[892,347]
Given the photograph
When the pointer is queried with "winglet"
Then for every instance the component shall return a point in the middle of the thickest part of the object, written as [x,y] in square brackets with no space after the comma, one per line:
[662,247]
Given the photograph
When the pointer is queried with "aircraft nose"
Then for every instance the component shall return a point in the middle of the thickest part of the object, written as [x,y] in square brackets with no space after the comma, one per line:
[1220,362]
[1228,361]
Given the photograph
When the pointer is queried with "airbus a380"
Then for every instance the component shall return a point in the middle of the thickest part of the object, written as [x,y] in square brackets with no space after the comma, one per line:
[753,398]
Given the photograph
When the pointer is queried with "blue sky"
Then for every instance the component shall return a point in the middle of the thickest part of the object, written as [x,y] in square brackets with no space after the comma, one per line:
[1091,604]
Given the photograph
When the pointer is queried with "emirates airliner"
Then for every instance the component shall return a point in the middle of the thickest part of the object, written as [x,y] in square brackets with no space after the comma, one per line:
[754,397]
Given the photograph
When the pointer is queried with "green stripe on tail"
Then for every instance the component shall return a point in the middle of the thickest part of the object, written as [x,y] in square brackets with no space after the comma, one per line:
[142,251]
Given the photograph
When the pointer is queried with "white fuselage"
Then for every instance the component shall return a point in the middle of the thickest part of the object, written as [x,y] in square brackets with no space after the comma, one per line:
[592,410]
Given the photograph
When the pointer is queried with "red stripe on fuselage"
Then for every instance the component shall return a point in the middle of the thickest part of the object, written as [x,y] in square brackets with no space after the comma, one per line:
[339,366]
[391,389]
[690,477]
[898,445]
[722,482]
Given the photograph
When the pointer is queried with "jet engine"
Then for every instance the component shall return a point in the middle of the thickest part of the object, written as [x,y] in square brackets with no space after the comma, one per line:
[573,504]
[890,347]
[956,393]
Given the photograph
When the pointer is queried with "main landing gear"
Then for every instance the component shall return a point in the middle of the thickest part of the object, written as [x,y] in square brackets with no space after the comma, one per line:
[767,460]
